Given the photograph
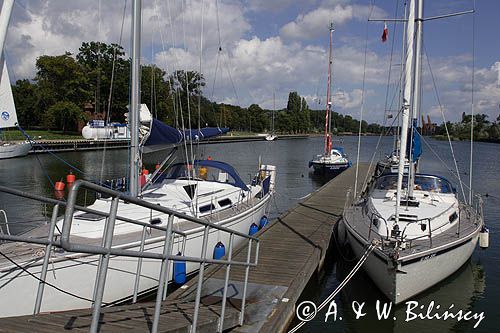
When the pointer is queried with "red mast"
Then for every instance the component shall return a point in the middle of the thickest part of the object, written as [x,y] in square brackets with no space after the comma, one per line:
[328,98]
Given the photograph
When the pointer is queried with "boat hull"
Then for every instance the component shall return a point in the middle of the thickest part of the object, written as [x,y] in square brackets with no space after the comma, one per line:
[76,273]
[11,150]
[328,168]
[402,279]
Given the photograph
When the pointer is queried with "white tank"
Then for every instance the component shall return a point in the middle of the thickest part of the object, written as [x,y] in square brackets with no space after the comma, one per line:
[97,133]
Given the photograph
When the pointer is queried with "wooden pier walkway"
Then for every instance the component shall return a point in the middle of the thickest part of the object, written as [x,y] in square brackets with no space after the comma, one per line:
[292,248]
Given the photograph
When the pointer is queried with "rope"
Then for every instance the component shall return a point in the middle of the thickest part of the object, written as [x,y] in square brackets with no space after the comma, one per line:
[445,125]
[110,96]
[47,283]
[346,280]
[362,106]
[472,102]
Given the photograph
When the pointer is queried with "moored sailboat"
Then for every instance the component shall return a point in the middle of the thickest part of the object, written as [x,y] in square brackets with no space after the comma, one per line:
[422,232]
[196,190]
[8,115]
[333,160]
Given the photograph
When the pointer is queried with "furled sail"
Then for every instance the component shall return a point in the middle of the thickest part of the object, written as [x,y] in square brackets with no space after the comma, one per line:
[8,116]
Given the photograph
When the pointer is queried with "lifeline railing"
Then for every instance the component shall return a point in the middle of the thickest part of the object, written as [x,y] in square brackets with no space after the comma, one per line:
[105,250]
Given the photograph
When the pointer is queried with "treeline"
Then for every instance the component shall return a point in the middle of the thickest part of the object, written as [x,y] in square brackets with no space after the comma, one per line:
[70,89]
[484,130]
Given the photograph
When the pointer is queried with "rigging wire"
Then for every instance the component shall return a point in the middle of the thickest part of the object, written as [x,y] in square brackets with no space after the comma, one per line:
[472,100]
[444,121]
[362,104]
[111,87]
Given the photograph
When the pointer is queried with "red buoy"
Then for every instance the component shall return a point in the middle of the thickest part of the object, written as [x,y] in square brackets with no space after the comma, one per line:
[145,172]
[59,195]
[59,186]
[142,180]
[157,166]
[70,178]
[209,158]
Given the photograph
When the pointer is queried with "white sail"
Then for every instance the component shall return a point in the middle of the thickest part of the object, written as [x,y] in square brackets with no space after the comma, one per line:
[8,116]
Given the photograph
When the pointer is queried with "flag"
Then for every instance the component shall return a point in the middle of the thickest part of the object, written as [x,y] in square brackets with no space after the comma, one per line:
[385,33]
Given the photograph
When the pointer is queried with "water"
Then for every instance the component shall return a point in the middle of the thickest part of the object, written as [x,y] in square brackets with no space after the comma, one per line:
[474,287]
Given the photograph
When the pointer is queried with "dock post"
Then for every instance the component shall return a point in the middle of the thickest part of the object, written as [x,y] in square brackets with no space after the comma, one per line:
[163,273]
[247,269]
[226,282]
[103,269]
[200,280]
[48,249]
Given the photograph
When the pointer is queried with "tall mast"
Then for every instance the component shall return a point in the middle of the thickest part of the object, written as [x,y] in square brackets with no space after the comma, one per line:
[328,120]
[135,99]
[416,89]
[274,111]
[4,22]
[406,104]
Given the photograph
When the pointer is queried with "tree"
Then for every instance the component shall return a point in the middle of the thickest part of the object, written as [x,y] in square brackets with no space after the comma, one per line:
[61,78]
[101,62]
[64,115]
[27,100]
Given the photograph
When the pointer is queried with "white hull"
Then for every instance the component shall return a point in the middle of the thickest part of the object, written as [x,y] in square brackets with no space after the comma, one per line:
[77,273]
[11,150]
[271,137]
[402,281]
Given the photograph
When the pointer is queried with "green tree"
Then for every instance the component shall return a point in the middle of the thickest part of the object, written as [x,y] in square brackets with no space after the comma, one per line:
[64,115]
[61,78]
[27,100]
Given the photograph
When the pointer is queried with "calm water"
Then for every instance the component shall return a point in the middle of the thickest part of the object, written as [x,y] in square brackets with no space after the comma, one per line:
[475,287]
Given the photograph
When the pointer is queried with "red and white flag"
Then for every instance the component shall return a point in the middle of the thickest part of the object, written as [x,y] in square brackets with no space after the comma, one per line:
[385,33]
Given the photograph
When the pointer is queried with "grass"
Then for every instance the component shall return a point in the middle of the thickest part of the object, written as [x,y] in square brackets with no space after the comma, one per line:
[40,135]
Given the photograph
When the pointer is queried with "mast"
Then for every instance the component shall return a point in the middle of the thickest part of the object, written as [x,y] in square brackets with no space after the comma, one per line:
[274,111]
[328,120]
[416,90]
[135,99]
[406,104]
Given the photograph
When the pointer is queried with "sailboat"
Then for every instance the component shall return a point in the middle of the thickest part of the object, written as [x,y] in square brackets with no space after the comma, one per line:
[333,160]
[272,136]
[8,115]
[421,232]
[205,189]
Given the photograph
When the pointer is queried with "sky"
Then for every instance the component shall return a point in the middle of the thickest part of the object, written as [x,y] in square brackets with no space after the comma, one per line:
[280,46]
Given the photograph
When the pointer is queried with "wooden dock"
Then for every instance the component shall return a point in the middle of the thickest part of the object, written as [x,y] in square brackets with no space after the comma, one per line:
[292,248]
[45,146]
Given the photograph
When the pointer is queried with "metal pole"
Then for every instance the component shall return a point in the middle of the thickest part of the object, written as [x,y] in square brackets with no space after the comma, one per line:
[226,281]
[416,91]
[247,269]
[135,100]
[163,273]
[200,280]
[167,274]
[139,266]
[48,249]
[96,313]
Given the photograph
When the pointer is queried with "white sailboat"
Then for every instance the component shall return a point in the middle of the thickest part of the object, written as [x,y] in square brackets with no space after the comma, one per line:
[205,189]
[272,136]
[333,160]
[422,232]
[8,115]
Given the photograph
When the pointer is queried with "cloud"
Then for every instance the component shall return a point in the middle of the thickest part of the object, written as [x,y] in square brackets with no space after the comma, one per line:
[315,23]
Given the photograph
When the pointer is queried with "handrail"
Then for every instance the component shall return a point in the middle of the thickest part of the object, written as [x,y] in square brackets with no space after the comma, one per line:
[106,250]
[6,223]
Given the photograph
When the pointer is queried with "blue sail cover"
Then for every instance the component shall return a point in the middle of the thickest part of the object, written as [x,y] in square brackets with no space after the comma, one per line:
[416,143]
[162,134]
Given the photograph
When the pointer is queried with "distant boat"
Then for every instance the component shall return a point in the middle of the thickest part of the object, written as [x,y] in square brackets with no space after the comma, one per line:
[8,114]
[272,136]
[99,130]
[333,160]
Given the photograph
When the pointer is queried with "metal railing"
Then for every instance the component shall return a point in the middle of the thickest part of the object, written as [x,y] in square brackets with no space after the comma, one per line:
[5,223]
[106,249]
